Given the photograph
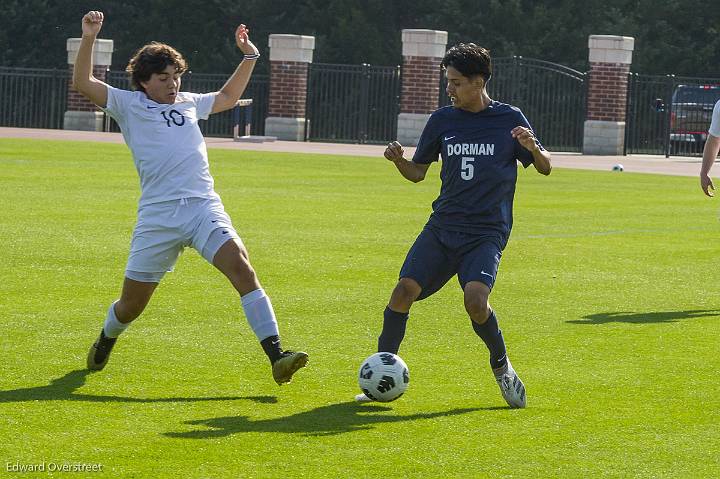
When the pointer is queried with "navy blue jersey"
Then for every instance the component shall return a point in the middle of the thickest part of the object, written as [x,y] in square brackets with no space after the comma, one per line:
[479,167]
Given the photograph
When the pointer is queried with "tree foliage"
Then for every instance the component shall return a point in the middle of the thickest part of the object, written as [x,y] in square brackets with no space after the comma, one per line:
[671,36]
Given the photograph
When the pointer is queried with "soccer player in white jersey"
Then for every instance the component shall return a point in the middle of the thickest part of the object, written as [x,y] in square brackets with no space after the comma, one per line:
[710,152]
[178,205]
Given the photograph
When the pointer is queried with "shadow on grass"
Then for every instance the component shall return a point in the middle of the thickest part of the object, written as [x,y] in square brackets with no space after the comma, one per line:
[644,318]
[322,421]
[63,389]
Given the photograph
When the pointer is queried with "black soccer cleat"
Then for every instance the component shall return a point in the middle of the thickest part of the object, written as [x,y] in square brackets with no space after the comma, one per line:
[100,352]
[289,362]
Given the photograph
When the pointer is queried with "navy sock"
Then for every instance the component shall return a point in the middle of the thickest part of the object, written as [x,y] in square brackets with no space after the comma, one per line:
[271,346]
[490,333]
[393,331]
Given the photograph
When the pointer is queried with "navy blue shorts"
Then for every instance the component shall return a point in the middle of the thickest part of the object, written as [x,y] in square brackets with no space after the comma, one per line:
[437,255]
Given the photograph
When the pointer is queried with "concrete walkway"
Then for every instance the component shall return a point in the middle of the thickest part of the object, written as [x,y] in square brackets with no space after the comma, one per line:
[679,166]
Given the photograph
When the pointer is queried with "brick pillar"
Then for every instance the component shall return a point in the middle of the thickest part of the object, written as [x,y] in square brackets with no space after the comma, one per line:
[422,52]
[81,113]
[290,56]
[610,60]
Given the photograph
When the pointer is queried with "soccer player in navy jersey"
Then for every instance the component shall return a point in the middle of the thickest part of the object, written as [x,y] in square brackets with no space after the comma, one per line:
[480,141]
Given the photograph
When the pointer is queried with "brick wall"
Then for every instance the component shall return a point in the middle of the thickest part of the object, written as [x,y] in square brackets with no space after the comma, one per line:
[420,84]
[75,100]
[607,91]
[288,89]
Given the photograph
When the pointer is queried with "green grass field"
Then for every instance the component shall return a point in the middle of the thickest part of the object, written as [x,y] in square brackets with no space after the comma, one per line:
[608,296]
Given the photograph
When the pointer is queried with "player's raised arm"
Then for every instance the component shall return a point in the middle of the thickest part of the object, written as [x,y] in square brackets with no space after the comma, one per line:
[230,93]
[412,171]
[83,79]
[541,158]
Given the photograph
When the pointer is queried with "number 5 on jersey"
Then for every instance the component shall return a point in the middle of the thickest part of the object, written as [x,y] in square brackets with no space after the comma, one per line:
[467,169]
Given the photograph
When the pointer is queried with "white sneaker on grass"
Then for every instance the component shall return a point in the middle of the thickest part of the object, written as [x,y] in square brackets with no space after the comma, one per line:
[362,398]
[512,388]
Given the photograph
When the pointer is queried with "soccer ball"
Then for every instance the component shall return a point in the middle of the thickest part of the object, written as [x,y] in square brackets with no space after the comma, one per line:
[618,167]
[383,377]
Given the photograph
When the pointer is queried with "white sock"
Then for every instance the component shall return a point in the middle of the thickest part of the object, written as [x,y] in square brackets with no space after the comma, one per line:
[259,313]
[113,328]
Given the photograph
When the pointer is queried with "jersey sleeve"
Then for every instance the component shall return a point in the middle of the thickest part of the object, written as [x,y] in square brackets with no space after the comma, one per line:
[203,104]
[715,123]
[522,154]
[428,147]
[118,102]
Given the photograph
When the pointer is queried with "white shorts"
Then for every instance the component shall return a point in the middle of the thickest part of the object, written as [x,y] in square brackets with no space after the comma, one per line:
[163,230]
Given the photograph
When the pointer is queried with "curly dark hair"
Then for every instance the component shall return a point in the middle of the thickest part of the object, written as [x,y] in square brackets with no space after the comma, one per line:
[470,60]
[153,58]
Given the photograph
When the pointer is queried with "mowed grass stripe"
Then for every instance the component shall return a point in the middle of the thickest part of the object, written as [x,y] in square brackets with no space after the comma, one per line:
[607,296]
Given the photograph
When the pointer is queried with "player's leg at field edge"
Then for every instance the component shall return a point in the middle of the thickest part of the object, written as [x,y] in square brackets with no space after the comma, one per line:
[485,324]
[134,298]
[396,315]
[233,261]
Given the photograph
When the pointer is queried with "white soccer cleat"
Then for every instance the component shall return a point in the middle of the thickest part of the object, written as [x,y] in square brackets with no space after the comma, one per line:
[512,388]
[362,398]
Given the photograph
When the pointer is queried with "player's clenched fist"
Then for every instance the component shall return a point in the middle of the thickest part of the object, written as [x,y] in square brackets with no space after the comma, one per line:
[525,136]
[243,40]
[707,185]
[92,22]
[394,151]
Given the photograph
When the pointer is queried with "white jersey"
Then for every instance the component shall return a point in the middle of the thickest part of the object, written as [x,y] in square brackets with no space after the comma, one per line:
[715,123]
[166,143]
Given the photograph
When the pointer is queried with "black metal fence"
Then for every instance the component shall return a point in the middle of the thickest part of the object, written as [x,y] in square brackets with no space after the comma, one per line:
[352,103]
[669,115]
[666,114]
[33,97]
[37,98]
[553,97]
[220,124]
